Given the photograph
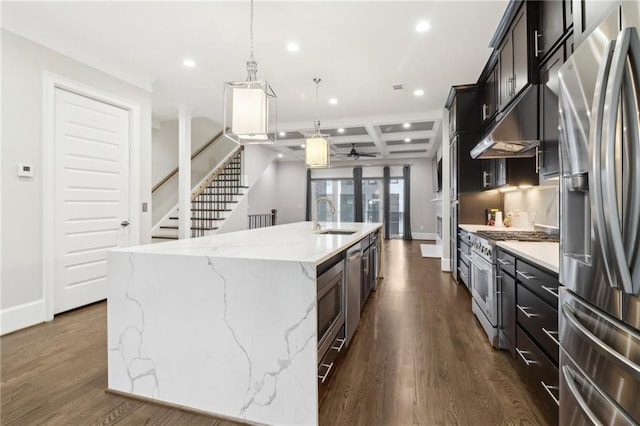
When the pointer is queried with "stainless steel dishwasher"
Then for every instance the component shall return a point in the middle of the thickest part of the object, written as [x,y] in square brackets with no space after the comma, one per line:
[354,279]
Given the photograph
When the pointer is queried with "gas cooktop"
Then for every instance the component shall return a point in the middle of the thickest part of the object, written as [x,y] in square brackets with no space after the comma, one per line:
[518,236]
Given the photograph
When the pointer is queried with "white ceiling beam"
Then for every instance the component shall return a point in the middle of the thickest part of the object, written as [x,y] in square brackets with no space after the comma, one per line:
[376,136]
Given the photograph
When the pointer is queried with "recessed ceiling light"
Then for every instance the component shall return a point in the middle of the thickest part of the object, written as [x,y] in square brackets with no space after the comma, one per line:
[418,92]
[423,26]
[302,145]
[406,125]
[189,63]
[340,130]
[293,47]
[280,155]
[333,101]
[407,140]
[282,134]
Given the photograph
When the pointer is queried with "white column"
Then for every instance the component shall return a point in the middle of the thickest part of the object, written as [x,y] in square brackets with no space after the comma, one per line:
[184,173]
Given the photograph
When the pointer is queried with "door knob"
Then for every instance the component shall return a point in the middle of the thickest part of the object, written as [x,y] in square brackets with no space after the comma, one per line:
[124,223]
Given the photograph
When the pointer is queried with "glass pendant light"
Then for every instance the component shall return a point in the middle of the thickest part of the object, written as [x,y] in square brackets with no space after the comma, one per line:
[317,149]
[250,107]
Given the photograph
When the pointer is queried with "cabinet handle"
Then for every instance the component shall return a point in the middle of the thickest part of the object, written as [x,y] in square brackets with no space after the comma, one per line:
[548,389]
[503,262]
[485,111]
[524,308]
[551,335]
[339,348]
[539,159]
[551,290]
[485,176]
[536,44]
[326,374]
[525,275]
[513,85]
[526,361]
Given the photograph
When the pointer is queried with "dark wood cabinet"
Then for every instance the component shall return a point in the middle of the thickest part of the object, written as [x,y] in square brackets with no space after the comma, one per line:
[551,26]
[588,14]
[489,102]
[464,109]
[507,288]
[515,172]
[488,173]
[514,64]
[549,160]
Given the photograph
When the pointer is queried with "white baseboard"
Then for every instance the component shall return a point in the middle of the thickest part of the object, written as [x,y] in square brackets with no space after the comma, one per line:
[423,235]
[445,265]
[21,316]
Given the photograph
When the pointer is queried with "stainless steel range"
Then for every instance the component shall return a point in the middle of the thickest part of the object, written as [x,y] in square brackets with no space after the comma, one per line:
[483,271]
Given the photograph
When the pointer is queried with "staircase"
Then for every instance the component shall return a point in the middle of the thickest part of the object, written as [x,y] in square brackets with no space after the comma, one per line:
[211,203]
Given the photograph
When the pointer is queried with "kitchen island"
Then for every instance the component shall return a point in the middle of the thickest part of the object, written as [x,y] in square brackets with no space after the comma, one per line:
[224,324]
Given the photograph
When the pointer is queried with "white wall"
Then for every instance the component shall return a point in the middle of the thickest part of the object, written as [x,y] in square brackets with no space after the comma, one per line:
[291,191]
[165,144]
[23,67]
[262,196]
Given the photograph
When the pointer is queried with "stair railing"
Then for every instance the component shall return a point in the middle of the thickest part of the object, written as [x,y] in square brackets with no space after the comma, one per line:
[215,193]
[262,220]
[177,169]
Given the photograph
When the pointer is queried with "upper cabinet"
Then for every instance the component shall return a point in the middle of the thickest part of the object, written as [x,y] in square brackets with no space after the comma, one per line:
[549,161]
[587,14]
[464,106]
[513,62]
[489,91]
[552,23]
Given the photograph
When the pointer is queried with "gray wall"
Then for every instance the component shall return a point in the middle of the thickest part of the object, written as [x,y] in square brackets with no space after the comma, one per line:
[23,65]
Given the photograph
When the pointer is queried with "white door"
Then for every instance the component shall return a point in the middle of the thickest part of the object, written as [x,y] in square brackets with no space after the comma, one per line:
[91,195]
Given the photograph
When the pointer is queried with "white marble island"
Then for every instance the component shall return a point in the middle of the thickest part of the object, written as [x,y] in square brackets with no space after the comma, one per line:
[224,324]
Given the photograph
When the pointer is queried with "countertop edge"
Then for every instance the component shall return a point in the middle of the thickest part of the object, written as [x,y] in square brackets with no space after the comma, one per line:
[528,256]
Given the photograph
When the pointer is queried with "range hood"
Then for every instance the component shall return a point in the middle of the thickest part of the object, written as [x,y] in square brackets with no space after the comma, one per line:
[516,131]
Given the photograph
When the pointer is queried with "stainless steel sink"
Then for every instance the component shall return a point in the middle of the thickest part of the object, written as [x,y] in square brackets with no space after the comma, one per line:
[336,232]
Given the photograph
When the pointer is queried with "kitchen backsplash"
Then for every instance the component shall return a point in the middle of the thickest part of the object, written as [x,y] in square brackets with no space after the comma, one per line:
[541,202]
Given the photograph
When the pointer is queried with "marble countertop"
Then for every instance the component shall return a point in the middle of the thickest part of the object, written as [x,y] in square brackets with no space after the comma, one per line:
[544,254]
[293,242]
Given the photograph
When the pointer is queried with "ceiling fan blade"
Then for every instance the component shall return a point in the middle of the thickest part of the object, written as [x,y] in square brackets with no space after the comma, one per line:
[365,154]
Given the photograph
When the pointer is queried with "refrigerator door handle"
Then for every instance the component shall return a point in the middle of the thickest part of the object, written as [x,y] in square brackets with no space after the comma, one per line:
[598,344]
[626,47]
[569,374]
[595,140]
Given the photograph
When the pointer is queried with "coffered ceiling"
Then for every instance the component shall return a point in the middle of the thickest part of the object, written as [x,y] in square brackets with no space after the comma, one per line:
[360,49]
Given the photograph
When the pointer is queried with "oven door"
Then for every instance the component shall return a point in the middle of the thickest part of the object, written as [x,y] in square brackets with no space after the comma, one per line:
[483,287]
[330,307]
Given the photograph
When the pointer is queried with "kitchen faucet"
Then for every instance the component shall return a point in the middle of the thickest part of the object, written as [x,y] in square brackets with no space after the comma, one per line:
[316,225]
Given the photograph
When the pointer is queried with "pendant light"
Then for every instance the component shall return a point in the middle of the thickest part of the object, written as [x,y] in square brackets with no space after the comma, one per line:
[317,152]
[250,107]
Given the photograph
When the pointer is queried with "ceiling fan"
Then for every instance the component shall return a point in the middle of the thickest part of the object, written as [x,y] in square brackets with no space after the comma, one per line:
[355,154]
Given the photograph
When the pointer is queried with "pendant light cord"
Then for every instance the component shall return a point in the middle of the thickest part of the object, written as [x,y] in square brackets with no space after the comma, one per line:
[317,123]
[251,32]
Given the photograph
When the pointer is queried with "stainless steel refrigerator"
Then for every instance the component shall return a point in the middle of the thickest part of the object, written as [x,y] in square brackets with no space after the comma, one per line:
[599,310]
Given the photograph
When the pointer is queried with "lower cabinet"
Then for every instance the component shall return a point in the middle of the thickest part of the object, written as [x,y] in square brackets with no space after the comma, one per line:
[529,325]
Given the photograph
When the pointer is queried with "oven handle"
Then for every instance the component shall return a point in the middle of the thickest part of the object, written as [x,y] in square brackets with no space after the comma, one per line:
[486,271]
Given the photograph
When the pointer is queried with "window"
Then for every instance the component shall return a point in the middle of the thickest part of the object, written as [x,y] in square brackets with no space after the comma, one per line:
[396,207]
[340,192]
[372,200]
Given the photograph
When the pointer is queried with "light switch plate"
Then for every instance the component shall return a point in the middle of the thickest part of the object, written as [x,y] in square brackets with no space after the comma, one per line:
[25,170]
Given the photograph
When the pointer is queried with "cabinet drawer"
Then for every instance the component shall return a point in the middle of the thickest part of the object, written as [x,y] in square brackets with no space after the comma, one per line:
[542,283]
[540,371]
[326,366]
[463,272]
[539,319]
[507,262]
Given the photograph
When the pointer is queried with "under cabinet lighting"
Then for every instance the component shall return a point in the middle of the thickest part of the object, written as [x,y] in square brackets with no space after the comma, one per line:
[508,188]
[527,186]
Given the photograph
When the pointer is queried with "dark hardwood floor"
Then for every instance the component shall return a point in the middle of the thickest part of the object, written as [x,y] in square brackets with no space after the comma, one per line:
[419,357]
